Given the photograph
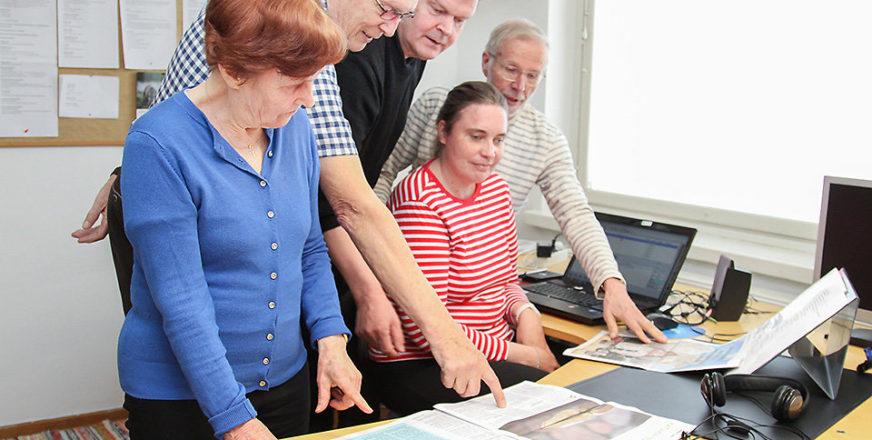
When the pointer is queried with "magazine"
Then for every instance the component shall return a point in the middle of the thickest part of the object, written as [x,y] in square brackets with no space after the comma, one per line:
[813,307]
[534,411]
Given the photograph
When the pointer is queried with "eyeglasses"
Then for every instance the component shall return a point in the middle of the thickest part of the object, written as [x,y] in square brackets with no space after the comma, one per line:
[393,14]
[513,74]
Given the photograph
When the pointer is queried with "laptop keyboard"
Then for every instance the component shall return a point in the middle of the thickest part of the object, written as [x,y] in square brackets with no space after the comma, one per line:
[566,294]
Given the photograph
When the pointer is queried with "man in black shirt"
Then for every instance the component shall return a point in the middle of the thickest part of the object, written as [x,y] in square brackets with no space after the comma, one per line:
[377,85]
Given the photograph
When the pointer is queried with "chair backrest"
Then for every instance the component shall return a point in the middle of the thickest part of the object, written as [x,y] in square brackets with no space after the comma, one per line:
[122,250]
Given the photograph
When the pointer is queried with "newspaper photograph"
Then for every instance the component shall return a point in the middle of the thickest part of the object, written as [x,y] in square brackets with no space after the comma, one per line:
[673,356]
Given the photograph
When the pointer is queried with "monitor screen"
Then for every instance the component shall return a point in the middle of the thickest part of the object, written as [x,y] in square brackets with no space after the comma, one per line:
[648,259]
[845,236]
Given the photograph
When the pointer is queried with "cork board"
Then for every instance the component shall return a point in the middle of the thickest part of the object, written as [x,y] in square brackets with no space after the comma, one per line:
[86,131]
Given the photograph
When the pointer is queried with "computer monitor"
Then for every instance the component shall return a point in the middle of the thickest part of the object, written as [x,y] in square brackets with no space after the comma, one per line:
[845,237]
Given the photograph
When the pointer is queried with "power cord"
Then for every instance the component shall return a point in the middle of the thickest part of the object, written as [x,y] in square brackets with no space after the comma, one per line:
[740,428]
[695,304]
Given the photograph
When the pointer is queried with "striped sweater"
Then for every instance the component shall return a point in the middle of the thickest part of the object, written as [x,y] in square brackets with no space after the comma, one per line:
[535,152]
[467,249]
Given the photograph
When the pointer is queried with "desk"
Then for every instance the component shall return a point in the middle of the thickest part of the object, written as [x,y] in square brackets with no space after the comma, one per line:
[856,425]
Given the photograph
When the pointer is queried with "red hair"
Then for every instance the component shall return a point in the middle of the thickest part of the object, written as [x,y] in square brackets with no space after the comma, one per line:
[295,37]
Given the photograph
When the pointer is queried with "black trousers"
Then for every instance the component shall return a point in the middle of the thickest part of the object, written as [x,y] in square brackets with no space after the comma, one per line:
[411,386]
[283,409]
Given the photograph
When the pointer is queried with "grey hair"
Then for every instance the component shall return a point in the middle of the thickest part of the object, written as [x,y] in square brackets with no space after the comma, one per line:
[519,28]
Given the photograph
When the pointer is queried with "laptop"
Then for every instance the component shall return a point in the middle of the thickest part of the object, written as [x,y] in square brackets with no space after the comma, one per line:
[649,256]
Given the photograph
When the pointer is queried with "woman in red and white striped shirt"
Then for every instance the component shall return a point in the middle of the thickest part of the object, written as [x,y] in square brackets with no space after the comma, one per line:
[457,217]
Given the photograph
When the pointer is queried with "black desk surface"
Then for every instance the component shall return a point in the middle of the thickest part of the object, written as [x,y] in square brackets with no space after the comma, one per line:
[677,396]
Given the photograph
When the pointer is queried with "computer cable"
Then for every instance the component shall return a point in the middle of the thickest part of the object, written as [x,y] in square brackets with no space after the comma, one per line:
[721,337]
[734,426]
[697,304]
[752,311]
[740,428]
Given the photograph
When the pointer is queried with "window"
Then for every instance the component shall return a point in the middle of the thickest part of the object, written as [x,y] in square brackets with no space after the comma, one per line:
[727,113]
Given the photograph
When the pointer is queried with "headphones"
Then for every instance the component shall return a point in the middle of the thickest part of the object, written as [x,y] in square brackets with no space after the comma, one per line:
[790,398]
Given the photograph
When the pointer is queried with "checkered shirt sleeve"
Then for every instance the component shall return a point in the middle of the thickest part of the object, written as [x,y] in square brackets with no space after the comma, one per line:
[332,131]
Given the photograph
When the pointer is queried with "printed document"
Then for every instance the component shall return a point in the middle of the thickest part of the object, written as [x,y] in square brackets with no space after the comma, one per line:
[88,34]
[148,33]
[28,69]
[534,411]
[89,96]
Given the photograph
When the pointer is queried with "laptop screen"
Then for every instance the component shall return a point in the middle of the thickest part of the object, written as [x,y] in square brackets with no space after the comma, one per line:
[649,255]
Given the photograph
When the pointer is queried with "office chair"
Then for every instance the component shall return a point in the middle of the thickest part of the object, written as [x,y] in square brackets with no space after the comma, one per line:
[122,250]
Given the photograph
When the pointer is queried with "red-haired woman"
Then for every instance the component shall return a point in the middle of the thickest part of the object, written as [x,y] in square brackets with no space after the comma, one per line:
[220,204]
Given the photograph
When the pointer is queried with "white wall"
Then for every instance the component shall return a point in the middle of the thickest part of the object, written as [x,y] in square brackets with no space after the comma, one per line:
[60,311]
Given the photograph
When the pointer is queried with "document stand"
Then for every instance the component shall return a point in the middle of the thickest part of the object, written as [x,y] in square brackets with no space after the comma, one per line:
[821,353]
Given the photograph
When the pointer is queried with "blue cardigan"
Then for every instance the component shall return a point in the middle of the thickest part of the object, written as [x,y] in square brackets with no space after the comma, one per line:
[227,262]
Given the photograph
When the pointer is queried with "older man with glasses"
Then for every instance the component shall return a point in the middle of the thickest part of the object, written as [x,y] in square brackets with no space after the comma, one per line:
[368,222]
[377,85]
[535,152]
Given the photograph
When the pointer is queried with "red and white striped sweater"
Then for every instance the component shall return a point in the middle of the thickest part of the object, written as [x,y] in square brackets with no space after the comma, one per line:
[468,251]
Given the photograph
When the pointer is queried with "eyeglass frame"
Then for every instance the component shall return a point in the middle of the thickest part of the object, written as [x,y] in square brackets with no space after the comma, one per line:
[396,14]
[505,69]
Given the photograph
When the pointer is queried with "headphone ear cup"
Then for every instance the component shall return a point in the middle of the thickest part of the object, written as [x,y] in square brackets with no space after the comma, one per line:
[786,403]
[718,389]
[713,389]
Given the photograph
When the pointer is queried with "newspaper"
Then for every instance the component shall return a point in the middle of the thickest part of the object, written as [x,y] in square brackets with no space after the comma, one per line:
[671,357]
[813,307]
[538,412]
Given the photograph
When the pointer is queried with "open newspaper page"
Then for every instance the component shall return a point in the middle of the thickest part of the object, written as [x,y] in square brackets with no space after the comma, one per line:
[546,412]
[524,399]
[673,356]
[813,307]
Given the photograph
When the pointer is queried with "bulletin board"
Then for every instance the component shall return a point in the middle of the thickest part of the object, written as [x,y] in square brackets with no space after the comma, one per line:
[86,131]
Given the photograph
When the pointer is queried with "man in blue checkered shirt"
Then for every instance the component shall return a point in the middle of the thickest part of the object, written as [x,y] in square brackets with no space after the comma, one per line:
[367,220]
